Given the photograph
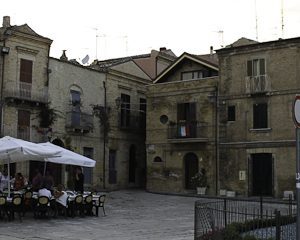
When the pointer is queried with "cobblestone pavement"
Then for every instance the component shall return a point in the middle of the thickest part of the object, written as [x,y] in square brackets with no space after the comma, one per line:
[131,215]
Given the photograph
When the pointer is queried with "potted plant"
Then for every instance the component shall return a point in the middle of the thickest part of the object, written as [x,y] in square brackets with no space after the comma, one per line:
[199,180]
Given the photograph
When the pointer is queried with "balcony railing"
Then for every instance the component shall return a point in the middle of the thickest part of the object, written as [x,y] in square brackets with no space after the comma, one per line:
[192,131]
[23,91]
[79,121]
[132,121]
[258,84]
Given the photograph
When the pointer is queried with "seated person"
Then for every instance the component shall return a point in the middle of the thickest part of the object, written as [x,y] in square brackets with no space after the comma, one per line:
[19,182]
[44,192]
[61,196]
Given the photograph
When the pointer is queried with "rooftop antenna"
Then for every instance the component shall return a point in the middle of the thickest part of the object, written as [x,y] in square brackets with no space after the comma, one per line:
[256,24]
[282,22]
[221,34]
[96,54]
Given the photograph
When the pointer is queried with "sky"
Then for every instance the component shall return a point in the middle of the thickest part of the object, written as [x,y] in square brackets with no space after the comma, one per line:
[105,29]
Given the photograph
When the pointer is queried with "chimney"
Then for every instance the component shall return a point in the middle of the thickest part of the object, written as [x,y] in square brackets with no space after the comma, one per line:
[211,50]
[6,21]
[64,57]
[162,49]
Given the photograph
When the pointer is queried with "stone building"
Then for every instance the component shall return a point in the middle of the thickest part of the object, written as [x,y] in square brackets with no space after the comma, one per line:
[125,107]
[181,124]
[74,92]
[258,84]
[24,78]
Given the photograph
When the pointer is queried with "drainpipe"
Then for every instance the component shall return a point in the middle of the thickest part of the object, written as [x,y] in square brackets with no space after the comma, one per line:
[2,84]
[104,133]
[217,137]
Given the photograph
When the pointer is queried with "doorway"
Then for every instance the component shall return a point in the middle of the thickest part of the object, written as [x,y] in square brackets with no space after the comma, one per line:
[132,163]
[262,174]
[191,168]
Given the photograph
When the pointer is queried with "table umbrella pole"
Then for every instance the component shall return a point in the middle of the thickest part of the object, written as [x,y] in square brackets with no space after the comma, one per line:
[8,173]
[45,167]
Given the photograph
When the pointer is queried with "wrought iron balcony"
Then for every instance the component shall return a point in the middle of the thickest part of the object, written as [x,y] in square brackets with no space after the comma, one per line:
[24,91]
[132,121]
[79,122]
[258,84]
[188,132]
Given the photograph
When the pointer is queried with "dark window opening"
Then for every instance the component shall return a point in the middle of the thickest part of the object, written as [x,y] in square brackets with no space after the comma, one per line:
[26,71]
[260,116]
[231,113]
[125,110]
[157,159]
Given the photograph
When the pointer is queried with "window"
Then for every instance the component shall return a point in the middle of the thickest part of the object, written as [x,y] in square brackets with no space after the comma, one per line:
[23,124]
[157,159]
[125,110]
[191,75]
[88,172]
[186,117]
[143,109]
[75,99]
[256,67]
[231,113]
[260,115]
[26,71]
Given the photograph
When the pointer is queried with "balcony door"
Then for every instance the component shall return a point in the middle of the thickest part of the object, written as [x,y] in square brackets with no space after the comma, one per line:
[186,118]
[75,100]
[23,125]
[25,78]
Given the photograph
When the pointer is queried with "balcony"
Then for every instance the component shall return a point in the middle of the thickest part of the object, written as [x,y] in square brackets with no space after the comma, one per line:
[135,122]
[188,132]
[79,122]
[258,84]
[23,91]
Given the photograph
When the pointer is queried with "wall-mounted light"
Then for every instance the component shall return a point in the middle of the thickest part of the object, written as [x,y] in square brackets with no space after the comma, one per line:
[5,50]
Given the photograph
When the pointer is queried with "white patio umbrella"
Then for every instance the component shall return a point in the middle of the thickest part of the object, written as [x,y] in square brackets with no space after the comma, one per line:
[17,150]
[68,157]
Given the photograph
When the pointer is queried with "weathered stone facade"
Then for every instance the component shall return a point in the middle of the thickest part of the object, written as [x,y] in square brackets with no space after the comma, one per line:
[79,131]
[258,84]
[171,153]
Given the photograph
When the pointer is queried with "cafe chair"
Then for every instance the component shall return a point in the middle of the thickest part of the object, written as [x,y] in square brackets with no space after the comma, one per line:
[27,202]
[3,208]
[42,207]
[16,206]
[88,205]
[99,204]
[77,206]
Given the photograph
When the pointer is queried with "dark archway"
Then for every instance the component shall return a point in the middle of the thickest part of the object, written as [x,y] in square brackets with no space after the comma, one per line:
[132,164]
[191,167]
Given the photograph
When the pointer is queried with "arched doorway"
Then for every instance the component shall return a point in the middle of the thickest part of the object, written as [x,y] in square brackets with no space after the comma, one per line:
[132,163]
[191,166]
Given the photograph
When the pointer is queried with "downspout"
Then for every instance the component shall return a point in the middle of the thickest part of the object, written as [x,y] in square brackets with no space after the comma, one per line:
[217,137]
[2,84]
[105,131]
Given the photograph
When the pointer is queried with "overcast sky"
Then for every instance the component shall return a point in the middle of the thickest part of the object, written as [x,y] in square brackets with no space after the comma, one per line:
[116,28]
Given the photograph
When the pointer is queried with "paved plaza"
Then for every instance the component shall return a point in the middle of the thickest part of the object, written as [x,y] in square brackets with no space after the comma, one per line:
[131,214]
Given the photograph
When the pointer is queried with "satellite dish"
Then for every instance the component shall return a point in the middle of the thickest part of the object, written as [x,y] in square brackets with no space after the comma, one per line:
[85,59]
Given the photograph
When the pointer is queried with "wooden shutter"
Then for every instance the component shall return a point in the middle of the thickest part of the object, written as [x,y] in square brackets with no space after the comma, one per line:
[23,118]
[26,71]
[249,68]
[262,70]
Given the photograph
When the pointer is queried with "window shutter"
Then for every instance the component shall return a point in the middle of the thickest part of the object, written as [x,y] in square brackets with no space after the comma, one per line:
[191,115]
[180,112]
[260,115]
[249,68]
[26,71]
[262,66]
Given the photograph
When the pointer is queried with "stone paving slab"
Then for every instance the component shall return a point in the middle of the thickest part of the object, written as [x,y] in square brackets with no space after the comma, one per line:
[131,215]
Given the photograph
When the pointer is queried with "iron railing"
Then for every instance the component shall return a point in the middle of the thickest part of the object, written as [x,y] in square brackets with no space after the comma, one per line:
[79,120]
[184,130]
[24,91]
[257,84]
[259,219]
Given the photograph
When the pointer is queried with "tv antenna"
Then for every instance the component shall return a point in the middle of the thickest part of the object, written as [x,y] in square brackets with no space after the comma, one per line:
[256,24]
[282,21]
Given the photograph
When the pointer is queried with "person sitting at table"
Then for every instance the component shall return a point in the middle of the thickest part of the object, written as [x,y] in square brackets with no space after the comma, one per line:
[61,198]
[19,182]
[4,180]
[79,180]
[37,180]
[44,192]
